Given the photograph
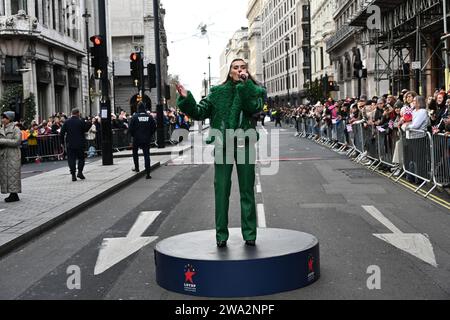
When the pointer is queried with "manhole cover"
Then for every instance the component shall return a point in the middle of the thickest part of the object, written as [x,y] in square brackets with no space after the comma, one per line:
[358,173]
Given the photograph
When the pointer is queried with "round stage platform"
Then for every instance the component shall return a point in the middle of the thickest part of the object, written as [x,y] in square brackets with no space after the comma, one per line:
[192,264]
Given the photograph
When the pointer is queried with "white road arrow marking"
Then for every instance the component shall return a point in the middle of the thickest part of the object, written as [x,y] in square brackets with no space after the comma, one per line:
[115,250]
[417,245]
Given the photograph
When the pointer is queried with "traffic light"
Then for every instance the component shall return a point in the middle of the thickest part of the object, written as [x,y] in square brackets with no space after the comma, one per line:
[99,57]
[151,69]
[136,66]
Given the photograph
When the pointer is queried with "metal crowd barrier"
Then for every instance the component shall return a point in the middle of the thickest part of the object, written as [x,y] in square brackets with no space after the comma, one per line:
[121,139]
[386,147]
[417,156]
[358,136]
[426,158]
[441,160]
[49,146]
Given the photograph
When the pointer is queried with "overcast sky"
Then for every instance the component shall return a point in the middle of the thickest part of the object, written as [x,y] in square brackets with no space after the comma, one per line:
[189,53]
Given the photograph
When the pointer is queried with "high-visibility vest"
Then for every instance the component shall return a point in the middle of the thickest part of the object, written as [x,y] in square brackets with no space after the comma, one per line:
[25,135]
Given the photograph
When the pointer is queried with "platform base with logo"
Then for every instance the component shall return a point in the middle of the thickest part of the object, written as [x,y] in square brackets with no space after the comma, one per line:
[283,260]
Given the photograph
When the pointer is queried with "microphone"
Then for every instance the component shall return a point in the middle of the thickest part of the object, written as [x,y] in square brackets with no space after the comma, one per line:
[243,77]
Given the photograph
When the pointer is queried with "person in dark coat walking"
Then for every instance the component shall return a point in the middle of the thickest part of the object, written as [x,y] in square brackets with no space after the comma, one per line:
[142,128]
[74,131]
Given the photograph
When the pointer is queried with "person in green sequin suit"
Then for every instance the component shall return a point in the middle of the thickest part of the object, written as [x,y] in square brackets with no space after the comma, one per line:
[236,104]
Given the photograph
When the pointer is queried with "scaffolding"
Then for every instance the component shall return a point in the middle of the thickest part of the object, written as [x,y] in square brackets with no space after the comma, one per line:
[411,44]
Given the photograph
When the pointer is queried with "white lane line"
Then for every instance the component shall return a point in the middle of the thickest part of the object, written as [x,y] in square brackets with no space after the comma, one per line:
[1,210]
[265,131]
[258,184]
[261,216]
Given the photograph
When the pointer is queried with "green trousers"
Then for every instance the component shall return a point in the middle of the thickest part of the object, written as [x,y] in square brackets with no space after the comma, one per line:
[222,185]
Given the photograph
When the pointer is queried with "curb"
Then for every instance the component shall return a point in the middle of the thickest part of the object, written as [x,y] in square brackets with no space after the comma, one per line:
[23,239]
[155,154]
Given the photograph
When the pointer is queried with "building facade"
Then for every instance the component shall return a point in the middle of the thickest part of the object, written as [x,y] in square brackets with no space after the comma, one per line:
[42,47]
[351,42]
[323,27]
[254,38]
[132,30]
[237,47]
[285,32]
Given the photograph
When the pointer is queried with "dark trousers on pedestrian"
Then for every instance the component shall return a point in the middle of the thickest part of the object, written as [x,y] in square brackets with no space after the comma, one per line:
[73,155]
[146,150]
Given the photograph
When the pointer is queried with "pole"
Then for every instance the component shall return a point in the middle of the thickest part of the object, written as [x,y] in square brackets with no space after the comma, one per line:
[86,16]
[310,50]
[142,76]
[159,106]
[209,81]
[264,72]
[287,75]
[418,53]
[205,84]
[447,68]
[105,103]
[114,85]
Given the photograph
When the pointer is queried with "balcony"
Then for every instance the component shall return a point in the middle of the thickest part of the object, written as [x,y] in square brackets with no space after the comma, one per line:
[360,18]
[340,36]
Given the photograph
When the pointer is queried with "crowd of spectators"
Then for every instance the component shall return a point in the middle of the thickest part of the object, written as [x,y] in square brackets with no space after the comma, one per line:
[408,110]
[41,141]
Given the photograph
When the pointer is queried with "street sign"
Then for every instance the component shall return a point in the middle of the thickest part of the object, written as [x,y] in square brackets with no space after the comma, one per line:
[416,65]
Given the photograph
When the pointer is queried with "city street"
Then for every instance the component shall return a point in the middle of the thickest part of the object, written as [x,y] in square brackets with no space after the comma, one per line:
[316,191]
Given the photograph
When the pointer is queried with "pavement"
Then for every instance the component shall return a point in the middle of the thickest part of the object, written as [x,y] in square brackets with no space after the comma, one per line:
[50,197]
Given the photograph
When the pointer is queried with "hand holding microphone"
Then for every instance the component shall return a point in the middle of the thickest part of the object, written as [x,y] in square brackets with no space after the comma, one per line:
[243,76]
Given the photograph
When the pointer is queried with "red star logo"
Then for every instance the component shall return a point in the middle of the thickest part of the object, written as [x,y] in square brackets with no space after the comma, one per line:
[189,274]
[311,264]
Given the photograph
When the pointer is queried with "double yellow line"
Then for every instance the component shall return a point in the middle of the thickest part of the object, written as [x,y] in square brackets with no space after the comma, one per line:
[413,188]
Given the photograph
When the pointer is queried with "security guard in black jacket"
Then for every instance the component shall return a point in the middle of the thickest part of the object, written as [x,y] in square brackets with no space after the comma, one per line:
[73,131]
[142,129]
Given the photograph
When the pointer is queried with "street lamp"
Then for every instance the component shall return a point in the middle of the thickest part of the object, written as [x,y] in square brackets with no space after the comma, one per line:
[205,84]
[86,17]
[264,72]
[209,81]
[287,40]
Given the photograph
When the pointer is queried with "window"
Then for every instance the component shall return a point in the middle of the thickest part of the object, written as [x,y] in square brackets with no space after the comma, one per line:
[12,65]
[53,14]
[36,9]
[60,16]
[44,12]
[349,69]
[17,5]
[321,59]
